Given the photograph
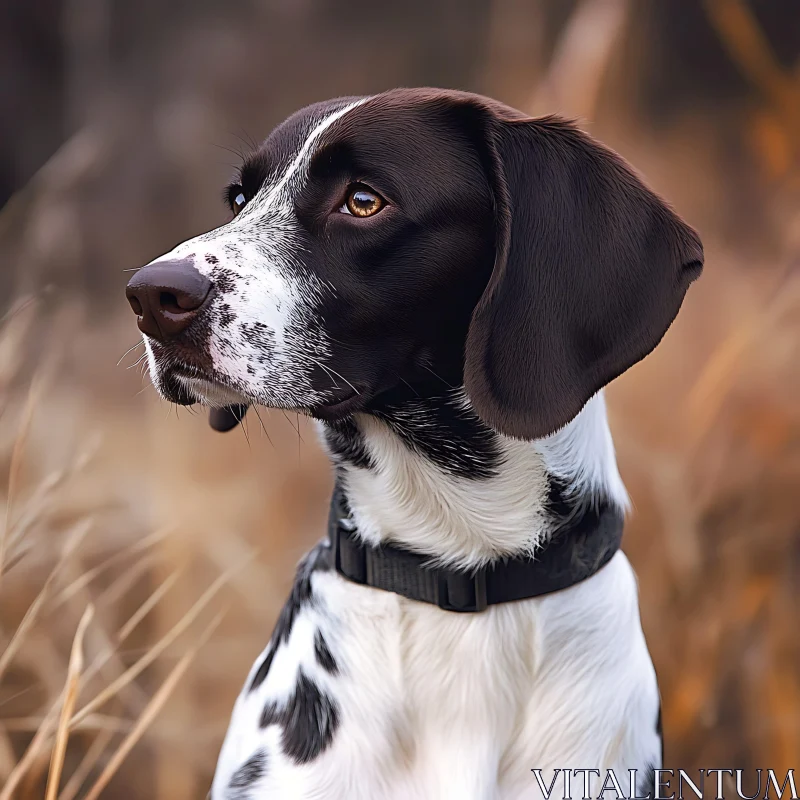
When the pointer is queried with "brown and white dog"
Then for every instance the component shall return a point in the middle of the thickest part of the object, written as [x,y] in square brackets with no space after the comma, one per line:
[446,285]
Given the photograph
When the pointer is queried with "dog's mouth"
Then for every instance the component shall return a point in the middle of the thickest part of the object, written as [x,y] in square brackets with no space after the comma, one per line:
[188,384]
[342,404]
[171,387]
[228,417]
[186,381]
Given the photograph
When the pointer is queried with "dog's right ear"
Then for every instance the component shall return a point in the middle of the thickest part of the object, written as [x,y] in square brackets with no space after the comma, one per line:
[590,269]
[227,418]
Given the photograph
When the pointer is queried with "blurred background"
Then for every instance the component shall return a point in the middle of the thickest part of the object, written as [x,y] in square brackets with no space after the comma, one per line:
[143,558]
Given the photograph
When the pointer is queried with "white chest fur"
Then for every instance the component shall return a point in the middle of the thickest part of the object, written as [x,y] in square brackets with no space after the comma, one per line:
[437,705]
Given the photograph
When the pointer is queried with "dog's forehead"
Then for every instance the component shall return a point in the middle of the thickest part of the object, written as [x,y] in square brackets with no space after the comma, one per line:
[395,118]
[422,110]
[280,148]
[404,132]
[386,124]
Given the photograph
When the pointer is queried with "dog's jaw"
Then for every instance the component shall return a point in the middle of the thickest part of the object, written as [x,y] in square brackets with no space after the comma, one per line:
[214,395]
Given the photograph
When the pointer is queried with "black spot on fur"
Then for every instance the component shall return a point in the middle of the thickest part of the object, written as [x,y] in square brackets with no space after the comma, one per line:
[251,771]
[271,715]
[437,427]
[346,443]
[558,502]
[226,316]
[324,656]
[660,732]
[317,559]
[309,719]
[445,432]
[211,259]
[261,336]
[579,513]
[263,668]
[310,723]
[224,280]
[225,346]
[646,782]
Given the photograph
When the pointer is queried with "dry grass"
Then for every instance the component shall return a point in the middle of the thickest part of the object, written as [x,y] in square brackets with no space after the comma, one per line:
[156,545]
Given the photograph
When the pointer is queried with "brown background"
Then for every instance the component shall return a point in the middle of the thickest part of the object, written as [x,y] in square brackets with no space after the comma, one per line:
[120,121]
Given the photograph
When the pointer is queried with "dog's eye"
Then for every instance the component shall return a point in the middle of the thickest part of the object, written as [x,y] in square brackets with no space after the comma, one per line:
[362,202]
[238,203]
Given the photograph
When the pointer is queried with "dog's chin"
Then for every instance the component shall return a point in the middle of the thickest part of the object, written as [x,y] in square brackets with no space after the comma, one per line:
[173,389]
[211,393]
[182,389]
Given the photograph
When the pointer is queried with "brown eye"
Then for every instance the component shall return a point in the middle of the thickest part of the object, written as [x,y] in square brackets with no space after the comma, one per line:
[362,202]
[238,203]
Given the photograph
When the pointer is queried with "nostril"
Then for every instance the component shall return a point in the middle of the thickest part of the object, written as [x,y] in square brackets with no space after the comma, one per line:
[136,305]
[169,302]
[177,301]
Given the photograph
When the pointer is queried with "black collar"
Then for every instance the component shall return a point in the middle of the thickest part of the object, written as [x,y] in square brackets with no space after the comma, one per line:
[576,552]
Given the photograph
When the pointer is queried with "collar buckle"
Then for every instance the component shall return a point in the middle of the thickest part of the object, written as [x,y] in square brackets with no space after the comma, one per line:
[458,591]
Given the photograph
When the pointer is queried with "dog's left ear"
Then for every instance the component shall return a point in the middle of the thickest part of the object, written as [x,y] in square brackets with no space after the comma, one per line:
[591,268]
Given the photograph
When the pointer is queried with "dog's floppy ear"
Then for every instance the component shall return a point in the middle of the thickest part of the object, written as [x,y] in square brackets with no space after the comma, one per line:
[591,268]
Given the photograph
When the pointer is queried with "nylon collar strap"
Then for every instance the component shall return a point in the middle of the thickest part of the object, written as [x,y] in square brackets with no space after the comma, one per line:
[576,552]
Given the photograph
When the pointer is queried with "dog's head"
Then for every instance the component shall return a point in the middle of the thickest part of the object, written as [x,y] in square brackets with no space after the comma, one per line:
[380,241]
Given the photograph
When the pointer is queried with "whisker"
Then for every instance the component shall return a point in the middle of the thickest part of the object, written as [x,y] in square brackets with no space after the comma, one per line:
[237,153]
[258,416]
[410,386]
[244,431]
[138,361]
[296,427]
[439,377]
[247,142]
[129,350]
[333,372]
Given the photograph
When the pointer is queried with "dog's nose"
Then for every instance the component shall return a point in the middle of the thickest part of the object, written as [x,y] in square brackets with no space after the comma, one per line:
[166,297]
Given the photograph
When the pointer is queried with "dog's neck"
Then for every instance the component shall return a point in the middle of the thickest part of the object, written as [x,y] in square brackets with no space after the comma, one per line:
[427,474]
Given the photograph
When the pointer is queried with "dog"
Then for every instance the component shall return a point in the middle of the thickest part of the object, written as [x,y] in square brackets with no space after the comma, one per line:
[446,285]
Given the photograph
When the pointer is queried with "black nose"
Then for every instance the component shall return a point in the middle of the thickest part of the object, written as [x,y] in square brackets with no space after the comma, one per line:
[166,297]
